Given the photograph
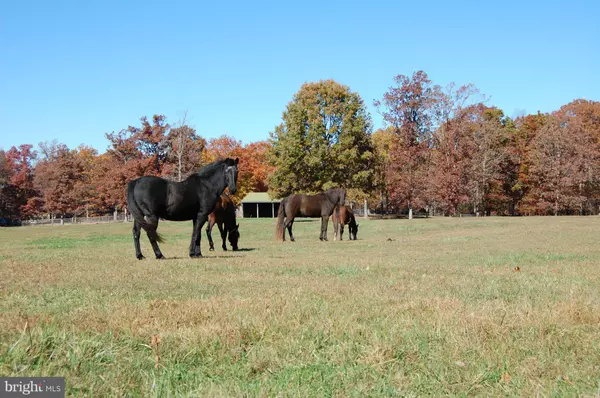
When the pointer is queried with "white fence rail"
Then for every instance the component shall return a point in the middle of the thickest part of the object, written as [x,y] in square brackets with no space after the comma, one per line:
[77,220]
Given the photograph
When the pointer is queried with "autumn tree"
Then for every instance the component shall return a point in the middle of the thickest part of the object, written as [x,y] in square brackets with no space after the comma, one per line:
[20,162]
[133,152]
[517,170]
[451,147]
[322,142]
[407,107]
[5,172]
[486,156]
[582,118]
[558,167]
[9,206]
[186,151]
[63,178]
[383,141]
[255,160]
[228,147]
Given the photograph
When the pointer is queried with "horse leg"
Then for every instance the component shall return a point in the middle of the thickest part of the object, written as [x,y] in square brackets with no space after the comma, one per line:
[193,242]
[209,234]
[136,240]
[223,235]
[336,225]
[195,250]
[341,230]
[335,229]
[288,225]
[151,226]
[324,222]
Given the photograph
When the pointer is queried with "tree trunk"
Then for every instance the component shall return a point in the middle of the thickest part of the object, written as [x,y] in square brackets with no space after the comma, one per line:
[410,213]
[179,169]
[366,209]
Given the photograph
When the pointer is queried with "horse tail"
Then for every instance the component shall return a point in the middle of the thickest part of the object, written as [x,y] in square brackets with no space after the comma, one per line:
[280,231]
[155,235]
[137,214]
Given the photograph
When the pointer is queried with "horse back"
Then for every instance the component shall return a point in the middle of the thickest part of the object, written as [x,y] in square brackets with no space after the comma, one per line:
[307,205]
[344,216]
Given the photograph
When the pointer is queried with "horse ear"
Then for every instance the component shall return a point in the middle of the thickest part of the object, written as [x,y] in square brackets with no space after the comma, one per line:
[237,160]
[237,226]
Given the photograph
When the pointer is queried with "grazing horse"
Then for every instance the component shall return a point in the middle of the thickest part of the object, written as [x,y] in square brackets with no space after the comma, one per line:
[299,205]
[343,216]
[224,213]
[151,198]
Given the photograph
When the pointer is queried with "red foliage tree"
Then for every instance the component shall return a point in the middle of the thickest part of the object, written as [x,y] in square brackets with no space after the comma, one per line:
[64,180]
[557,170]
[255,162]
[20,163]
[407,108]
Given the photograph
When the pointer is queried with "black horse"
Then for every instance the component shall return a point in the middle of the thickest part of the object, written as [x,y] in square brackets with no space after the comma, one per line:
[299,205]
[224,216]
[151,198]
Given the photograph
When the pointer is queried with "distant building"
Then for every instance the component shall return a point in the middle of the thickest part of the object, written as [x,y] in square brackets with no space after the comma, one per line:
[258,205]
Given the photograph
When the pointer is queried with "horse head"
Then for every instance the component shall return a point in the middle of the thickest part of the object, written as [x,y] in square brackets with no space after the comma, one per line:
[234,236]
[353,227]
[231,174]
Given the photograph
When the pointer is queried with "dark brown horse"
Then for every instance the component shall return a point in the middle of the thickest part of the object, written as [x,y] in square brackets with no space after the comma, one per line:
[300,205]
[342,217]
[224,216]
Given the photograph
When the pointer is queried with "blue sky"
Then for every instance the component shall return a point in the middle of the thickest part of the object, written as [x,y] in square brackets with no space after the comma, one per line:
[74,70]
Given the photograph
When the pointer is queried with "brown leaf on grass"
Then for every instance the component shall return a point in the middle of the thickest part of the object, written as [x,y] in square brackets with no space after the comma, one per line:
[505,378]
[517,269]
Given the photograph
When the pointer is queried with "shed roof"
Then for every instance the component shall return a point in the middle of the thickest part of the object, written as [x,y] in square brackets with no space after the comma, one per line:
[258,197]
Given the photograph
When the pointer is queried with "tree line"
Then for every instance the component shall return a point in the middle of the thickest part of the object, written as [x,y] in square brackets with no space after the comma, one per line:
[54,180]
[442,150]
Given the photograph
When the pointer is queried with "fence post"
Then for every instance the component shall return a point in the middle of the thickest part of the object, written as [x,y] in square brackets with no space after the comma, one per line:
[62,221]
[366,215]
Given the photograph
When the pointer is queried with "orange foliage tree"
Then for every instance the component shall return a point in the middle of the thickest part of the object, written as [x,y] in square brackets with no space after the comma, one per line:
[253,167]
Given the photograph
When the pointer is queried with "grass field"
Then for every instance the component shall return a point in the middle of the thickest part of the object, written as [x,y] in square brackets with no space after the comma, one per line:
[432,307]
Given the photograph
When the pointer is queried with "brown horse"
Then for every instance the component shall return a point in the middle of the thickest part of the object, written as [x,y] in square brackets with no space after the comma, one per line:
[342,217]
[224,216]
[300,205]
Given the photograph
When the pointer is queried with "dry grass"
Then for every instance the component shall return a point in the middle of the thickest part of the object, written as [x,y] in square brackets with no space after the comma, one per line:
[498,306]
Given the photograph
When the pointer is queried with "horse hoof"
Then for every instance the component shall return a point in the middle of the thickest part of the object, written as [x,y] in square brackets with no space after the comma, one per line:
[140,257]
[195,255]
[212,249]
[161,257]
[225,249]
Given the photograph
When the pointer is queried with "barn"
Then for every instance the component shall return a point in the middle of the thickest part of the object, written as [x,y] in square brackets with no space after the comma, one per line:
[259,205]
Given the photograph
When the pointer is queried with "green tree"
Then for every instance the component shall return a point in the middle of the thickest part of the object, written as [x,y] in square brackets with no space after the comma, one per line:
[323,141]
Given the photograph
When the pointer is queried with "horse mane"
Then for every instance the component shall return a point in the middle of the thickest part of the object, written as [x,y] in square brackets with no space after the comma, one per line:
[210,168]
[328,193]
